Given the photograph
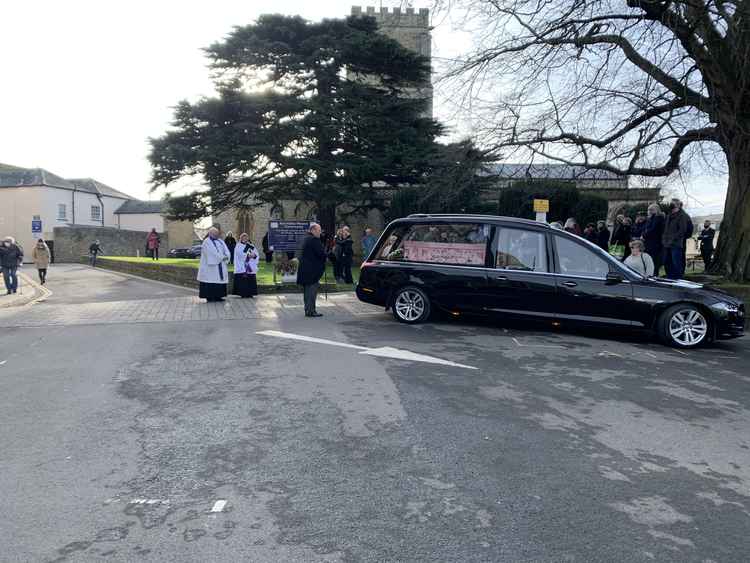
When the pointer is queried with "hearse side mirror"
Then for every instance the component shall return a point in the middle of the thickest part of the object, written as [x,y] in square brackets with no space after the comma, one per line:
[613,278]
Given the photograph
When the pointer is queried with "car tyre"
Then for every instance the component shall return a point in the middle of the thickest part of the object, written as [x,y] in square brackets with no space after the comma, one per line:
[411,305]
[684,326]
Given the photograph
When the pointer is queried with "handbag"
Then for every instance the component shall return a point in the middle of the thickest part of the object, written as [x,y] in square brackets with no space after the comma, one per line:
[617,250]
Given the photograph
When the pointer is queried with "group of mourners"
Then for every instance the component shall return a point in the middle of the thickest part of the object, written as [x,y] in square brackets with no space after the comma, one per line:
[213,271]
[11,258]
[315,251]
[653,240]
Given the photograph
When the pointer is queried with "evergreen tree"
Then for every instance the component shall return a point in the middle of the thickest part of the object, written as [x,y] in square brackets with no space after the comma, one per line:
[306,111]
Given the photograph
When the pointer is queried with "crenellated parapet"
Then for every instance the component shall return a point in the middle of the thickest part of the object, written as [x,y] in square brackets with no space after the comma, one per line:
[396,17]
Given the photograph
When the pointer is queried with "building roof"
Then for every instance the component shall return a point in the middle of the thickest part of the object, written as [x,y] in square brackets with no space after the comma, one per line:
[136,206]
[554,171]
[92,186]
[15,176]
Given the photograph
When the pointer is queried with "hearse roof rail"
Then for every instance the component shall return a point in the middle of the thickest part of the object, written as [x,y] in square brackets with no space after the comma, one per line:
[476,216]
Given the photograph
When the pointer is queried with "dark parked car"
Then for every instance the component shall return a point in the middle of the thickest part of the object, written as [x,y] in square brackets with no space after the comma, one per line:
[187,252]
[521,269]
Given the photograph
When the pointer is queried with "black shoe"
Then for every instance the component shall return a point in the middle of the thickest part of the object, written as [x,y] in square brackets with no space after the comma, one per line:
[15,291]
[316,314]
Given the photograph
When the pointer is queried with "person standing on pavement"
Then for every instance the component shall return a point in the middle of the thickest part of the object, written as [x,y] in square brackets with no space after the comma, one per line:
[602,235]
[40,254]
[213,272]
[245,268]
[152,243]
[571,226]
[652,235]
[336,258]
[266,250]
[676,227]
[706,238]
[347,255]
[11,257]
[639,260]
[368,243]
[311,267]
[95,249]
[231,242]
[636,232]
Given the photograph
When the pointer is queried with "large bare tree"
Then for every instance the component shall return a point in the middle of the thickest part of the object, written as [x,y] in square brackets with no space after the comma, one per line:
[635,87]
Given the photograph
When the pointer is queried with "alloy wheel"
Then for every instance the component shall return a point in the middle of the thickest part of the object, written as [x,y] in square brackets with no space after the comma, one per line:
[410,305]
[688,327]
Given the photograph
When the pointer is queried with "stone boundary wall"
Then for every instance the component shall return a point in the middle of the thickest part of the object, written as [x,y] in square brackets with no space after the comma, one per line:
[186,277]
[72,243]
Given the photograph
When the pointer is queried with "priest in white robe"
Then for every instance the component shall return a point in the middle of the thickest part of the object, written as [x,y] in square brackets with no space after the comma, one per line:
[213,272]
[246,258]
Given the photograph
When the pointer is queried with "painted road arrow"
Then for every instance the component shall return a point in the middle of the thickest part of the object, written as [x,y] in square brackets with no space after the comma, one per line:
[382,352]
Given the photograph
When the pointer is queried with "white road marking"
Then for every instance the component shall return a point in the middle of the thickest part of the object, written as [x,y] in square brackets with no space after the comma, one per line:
[150,501]
[3,362]
[382,352]
[290,336]
[219,506]
[537,345]
[680,352]
[395,353]
[652,355]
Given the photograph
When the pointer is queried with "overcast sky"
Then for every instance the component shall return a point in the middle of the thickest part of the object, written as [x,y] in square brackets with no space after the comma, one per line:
[85,83]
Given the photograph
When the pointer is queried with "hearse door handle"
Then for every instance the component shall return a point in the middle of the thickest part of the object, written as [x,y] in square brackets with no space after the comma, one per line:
[501,278]
[570,284]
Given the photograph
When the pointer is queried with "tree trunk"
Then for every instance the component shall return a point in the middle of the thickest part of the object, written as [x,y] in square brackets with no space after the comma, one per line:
[733,250]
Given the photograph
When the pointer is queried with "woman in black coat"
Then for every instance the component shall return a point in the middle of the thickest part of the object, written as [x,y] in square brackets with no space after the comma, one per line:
[346,245]
[602,236]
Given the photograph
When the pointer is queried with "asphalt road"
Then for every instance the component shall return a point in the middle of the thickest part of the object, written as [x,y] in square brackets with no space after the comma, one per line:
[202,440]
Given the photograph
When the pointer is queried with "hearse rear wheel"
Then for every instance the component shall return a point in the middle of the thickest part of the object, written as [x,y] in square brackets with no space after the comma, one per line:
[411,305]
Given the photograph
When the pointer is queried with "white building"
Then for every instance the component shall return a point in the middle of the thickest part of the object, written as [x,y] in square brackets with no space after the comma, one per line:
[34,201]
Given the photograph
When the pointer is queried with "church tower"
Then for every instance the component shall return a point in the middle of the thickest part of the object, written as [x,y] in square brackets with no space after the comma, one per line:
[410,28]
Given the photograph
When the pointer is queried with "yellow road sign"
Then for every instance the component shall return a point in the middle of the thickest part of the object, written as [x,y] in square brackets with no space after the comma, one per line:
[541,206]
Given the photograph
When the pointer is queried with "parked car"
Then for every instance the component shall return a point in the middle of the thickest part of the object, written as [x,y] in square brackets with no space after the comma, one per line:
[185,252]
[520,269]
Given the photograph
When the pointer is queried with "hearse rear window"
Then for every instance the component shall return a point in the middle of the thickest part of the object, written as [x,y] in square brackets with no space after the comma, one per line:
[463,244]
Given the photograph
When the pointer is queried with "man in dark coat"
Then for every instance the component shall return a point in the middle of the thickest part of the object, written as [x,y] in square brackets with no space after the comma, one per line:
[652,233]
[311,267]
[706,239]
[676,230]
[11,257]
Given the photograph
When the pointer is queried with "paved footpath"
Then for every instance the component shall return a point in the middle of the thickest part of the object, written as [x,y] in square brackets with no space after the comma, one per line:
[140,424]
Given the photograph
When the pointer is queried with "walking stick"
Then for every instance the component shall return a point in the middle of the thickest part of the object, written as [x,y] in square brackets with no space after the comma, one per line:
[325,279]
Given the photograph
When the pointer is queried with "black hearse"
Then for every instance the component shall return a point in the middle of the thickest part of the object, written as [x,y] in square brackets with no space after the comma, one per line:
[521,269]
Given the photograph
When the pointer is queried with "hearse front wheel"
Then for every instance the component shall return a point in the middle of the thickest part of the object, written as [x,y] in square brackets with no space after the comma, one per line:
[411,305]
[684,326]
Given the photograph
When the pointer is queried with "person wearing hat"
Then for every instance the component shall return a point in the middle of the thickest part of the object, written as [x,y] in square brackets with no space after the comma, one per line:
[11,257]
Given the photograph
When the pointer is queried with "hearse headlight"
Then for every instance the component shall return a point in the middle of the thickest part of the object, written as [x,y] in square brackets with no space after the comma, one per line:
[726,307]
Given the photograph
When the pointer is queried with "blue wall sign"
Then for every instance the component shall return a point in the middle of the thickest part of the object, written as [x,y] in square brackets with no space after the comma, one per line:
[36,226]
[286,236]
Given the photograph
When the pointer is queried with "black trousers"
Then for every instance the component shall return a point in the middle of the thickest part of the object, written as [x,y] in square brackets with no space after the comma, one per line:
[706,255]
[346,269]
[310,296]
[43,275]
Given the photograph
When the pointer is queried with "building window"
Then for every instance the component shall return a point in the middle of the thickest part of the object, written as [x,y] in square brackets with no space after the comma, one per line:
[96,213]
[62,212]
